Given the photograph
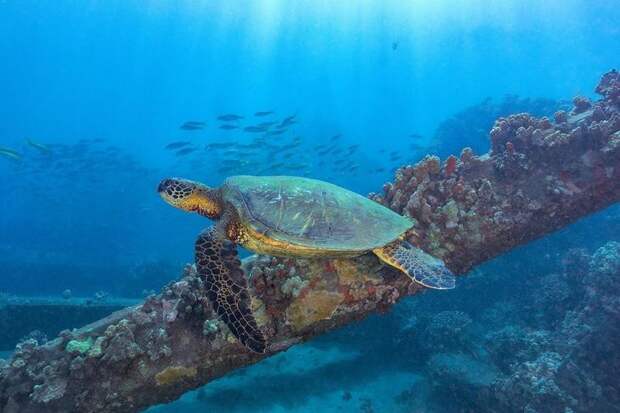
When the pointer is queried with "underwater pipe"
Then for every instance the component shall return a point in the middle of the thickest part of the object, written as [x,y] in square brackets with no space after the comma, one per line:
[539,175]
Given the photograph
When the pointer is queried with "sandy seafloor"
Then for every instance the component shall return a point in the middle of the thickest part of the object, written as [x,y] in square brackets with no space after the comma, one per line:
[344,381]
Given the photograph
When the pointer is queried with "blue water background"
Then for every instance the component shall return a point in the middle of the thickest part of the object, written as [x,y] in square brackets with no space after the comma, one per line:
[131,72]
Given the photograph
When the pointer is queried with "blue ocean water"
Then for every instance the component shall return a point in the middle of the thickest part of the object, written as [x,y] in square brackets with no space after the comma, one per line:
[95,92]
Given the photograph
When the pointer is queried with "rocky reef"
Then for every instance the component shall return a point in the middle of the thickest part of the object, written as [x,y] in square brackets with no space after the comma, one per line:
[529,365]
[540,175]
[473,123]
[537,167]
[38,317]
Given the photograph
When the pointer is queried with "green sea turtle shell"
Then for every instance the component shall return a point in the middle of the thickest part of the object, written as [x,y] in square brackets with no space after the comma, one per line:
[313,213]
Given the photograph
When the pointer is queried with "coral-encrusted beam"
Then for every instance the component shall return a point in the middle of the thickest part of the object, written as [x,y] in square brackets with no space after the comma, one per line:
[540,175]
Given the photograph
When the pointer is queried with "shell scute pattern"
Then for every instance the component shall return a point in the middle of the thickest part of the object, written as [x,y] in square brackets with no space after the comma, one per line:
[313,213]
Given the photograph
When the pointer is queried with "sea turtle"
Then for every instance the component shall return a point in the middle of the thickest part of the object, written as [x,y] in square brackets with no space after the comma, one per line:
[294,217]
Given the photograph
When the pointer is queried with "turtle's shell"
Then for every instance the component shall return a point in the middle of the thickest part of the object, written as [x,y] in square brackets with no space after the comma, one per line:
[312,213]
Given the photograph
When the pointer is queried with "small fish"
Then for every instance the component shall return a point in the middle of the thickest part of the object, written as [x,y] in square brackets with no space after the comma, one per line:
[176,145]
[228,127]
[265,113]
[8,150]
[288,121]
[38,146]
[351,149]
[296,166]
[336,137]
[276,132]
[253,145]
[394,45]
[10,154]
[229,117]
[415,136]
[191,126]
[184,151]
[254,129]
[195,123]
[283,124]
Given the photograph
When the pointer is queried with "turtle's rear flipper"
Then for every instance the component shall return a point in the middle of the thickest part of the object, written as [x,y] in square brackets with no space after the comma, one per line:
[420,266]
[227,287]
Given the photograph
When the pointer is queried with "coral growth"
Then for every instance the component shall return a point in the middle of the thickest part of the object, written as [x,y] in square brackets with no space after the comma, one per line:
[564,360]
[549,346]
[313,307]
[529,176]
[171,375]
[470,126]
[447,329]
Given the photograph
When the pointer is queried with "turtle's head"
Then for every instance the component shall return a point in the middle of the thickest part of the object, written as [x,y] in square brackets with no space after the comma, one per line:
[191,196]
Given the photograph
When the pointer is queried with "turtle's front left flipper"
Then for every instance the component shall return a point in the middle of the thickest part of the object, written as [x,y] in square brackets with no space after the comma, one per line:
[227,287]
[423,268]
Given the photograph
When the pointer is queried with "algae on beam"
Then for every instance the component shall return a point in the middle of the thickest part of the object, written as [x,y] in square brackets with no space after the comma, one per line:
[173,374]
[79,346]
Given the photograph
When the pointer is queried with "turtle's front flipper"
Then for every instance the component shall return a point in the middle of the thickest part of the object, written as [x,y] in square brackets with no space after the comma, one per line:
[420,266]
[227,287]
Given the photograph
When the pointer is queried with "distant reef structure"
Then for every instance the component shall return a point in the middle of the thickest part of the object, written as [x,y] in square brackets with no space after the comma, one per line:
[540,174]
[548,344]
[470,126]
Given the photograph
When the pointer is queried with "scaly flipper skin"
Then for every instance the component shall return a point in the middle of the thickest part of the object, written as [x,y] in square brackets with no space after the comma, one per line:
[423,268]
[227,287]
